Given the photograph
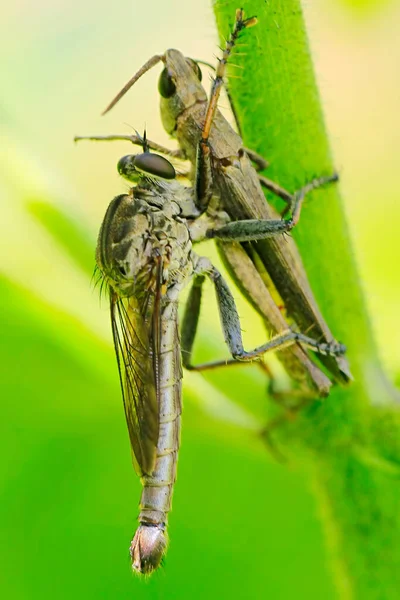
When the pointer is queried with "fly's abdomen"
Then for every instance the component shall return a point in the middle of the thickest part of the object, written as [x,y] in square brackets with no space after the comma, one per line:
[150,541]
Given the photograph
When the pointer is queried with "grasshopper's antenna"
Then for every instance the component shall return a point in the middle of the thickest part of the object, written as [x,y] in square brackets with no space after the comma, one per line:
[146,67]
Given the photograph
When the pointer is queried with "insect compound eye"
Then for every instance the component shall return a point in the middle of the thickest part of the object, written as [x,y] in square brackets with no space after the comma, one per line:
[154,164]
[166,86]
[193,64]
[126,168]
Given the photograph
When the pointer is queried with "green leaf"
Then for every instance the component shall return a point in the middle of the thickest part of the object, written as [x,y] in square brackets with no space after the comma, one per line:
[65,230]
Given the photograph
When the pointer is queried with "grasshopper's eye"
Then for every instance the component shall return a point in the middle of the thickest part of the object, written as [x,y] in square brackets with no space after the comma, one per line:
[133,166]
[166,86]
[193,64]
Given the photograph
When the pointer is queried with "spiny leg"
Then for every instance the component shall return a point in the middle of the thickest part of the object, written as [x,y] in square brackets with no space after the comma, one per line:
[218,81]
[260,163]
[250,230]
[203,183]
[230,323]
[294,201]
[189,329]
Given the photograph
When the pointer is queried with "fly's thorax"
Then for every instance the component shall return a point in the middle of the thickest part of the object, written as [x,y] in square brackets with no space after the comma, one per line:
[141,231]
[179,86]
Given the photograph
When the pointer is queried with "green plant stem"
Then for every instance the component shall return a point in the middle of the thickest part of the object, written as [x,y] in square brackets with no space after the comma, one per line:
[348,442]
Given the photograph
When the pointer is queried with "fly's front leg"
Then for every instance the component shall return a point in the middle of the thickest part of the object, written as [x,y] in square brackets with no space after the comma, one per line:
[251,230]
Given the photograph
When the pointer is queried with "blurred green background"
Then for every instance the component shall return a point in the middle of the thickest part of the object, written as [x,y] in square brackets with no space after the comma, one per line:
[242,526]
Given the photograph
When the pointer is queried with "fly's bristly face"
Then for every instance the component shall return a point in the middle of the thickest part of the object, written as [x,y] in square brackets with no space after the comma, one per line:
[179,86]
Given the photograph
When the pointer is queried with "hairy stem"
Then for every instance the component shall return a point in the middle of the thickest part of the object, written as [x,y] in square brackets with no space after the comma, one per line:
[348,443]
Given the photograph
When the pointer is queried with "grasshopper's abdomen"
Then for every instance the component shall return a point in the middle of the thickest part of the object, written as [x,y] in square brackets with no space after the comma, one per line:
[150,541]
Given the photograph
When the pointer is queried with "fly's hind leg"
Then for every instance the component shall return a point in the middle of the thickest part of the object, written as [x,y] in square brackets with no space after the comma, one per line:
[230,324]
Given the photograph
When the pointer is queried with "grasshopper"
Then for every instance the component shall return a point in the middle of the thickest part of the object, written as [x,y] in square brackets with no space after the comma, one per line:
[145,258]
[264,264]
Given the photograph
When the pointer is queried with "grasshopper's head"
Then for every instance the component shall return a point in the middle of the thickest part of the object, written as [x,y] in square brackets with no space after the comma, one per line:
[179,86]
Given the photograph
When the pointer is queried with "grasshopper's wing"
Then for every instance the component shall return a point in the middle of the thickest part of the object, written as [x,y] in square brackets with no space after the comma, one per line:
[134,340]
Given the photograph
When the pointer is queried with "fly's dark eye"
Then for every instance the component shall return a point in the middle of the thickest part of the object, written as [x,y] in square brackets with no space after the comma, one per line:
[193,64]
[166,86]
[154,164]
[126,168]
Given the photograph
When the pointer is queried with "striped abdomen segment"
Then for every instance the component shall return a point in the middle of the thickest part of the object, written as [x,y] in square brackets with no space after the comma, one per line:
[150,541]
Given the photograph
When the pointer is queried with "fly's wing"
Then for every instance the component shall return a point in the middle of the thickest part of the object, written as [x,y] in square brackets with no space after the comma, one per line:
[133,322]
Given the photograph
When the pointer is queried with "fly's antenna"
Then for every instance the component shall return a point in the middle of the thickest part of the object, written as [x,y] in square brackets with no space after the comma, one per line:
[143,140]
[146,67]
[146,147]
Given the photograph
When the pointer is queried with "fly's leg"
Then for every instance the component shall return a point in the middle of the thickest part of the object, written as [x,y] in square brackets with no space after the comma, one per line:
[134,139]
[230,323]
[232,332]
[250,230]
[189,330]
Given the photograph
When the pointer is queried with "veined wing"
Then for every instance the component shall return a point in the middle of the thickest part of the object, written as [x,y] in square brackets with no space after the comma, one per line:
[136,343]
